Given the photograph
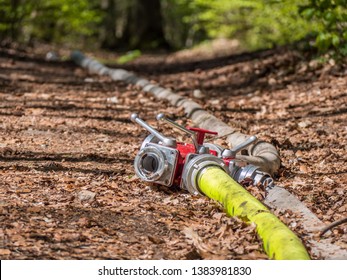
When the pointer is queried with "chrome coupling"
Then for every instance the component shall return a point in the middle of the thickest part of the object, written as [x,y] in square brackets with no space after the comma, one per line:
[196,163]
[252,172]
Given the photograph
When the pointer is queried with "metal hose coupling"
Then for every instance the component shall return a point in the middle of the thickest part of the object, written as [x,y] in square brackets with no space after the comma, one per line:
[252,172]
[195,164]
[156,164]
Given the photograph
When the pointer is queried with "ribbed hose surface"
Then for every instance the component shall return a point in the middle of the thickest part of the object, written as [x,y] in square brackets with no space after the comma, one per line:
[279,241]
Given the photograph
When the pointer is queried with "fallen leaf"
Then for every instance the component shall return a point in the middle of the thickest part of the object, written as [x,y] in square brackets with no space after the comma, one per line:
[328,181]
[155,239]
[24,191]
[203,248]
[304,169]
[5,252]
[299,153]
[304,124]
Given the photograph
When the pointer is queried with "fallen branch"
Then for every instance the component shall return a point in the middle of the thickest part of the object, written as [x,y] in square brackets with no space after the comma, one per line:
[332,225]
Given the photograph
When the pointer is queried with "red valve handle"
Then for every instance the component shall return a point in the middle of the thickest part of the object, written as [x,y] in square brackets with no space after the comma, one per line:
[200,133]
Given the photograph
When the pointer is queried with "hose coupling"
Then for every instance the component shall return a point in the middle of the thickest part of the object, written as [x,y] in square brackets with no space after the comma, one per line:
[166,161]
[252,172]
[156,163]
[195,164]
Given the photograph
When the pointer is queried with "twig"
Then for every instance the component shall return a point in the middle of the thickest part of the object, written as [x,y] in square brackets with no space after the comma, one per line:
[334,224]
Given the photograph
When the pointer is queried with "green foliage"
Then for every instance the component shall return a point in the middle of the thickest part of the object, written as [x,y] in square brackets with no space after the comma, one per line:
[332,16]
[257,23]
[12,14]
[49,20]
[129,56]
[265,23]
[177,31]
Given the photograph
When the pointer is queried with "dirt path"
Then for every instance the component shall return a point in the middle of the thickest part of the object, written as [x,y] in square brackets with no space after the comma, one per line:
[68,189]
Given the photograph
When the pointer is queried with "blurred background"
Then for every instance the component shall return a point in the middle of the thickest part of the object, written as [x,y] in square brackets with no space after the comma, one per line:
[174,24]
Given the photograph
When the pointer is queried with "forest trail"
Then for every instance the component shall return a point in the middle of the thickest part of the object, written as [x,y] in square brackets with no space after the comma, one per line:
[67,146]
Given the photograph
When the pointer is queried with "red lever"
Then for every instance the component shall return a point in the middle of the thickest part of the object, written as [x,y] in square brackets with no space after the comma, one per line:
[201,133]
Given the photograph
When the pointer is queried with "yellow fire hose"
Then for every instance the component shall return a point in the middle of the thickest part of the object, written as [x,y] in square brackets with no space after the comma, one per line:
[279,241]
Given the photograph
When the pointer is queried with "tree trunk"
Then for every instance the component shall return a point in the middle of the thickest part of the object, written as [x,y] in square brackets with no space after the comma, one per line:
[14,27]
[144,26]
[108,34]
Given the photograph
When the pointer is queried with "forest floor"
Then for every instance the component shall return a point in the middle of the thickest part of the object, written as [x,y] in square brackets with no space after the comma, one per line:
[68,189]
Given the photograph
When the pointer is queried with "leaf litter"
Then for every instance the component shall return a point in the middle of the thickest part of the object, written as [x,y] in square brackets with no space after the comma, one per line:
[68,189]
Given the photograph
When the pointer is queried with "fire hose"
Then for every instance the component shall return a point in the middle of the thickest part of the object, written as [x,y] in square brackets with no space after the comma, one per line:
[279,242]
[208,169]
[261,156]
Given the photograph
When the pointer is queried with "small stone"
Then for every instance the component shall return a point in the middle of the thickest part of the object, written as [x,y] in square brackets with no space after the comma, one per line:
[113,99]
[272,81]
[89,80]
[52,56]
[47,220]
[332,62]
[304,124]
[328,181]
[314,64]
[241,102]
[85,196]
[198,94]
[214,102]
[340,191]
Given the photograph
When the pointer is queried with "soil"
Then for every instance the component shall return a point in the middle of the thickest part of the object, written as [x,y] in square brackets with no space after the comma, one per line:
[68,189]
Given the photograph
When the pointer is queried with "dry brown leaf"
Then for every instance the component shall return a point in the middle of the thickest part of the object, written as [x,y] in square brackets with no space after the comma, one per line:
[64,119]
[24,191]
[155,239]
[304,169]
[196,239]
[298,153]
[5,252]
